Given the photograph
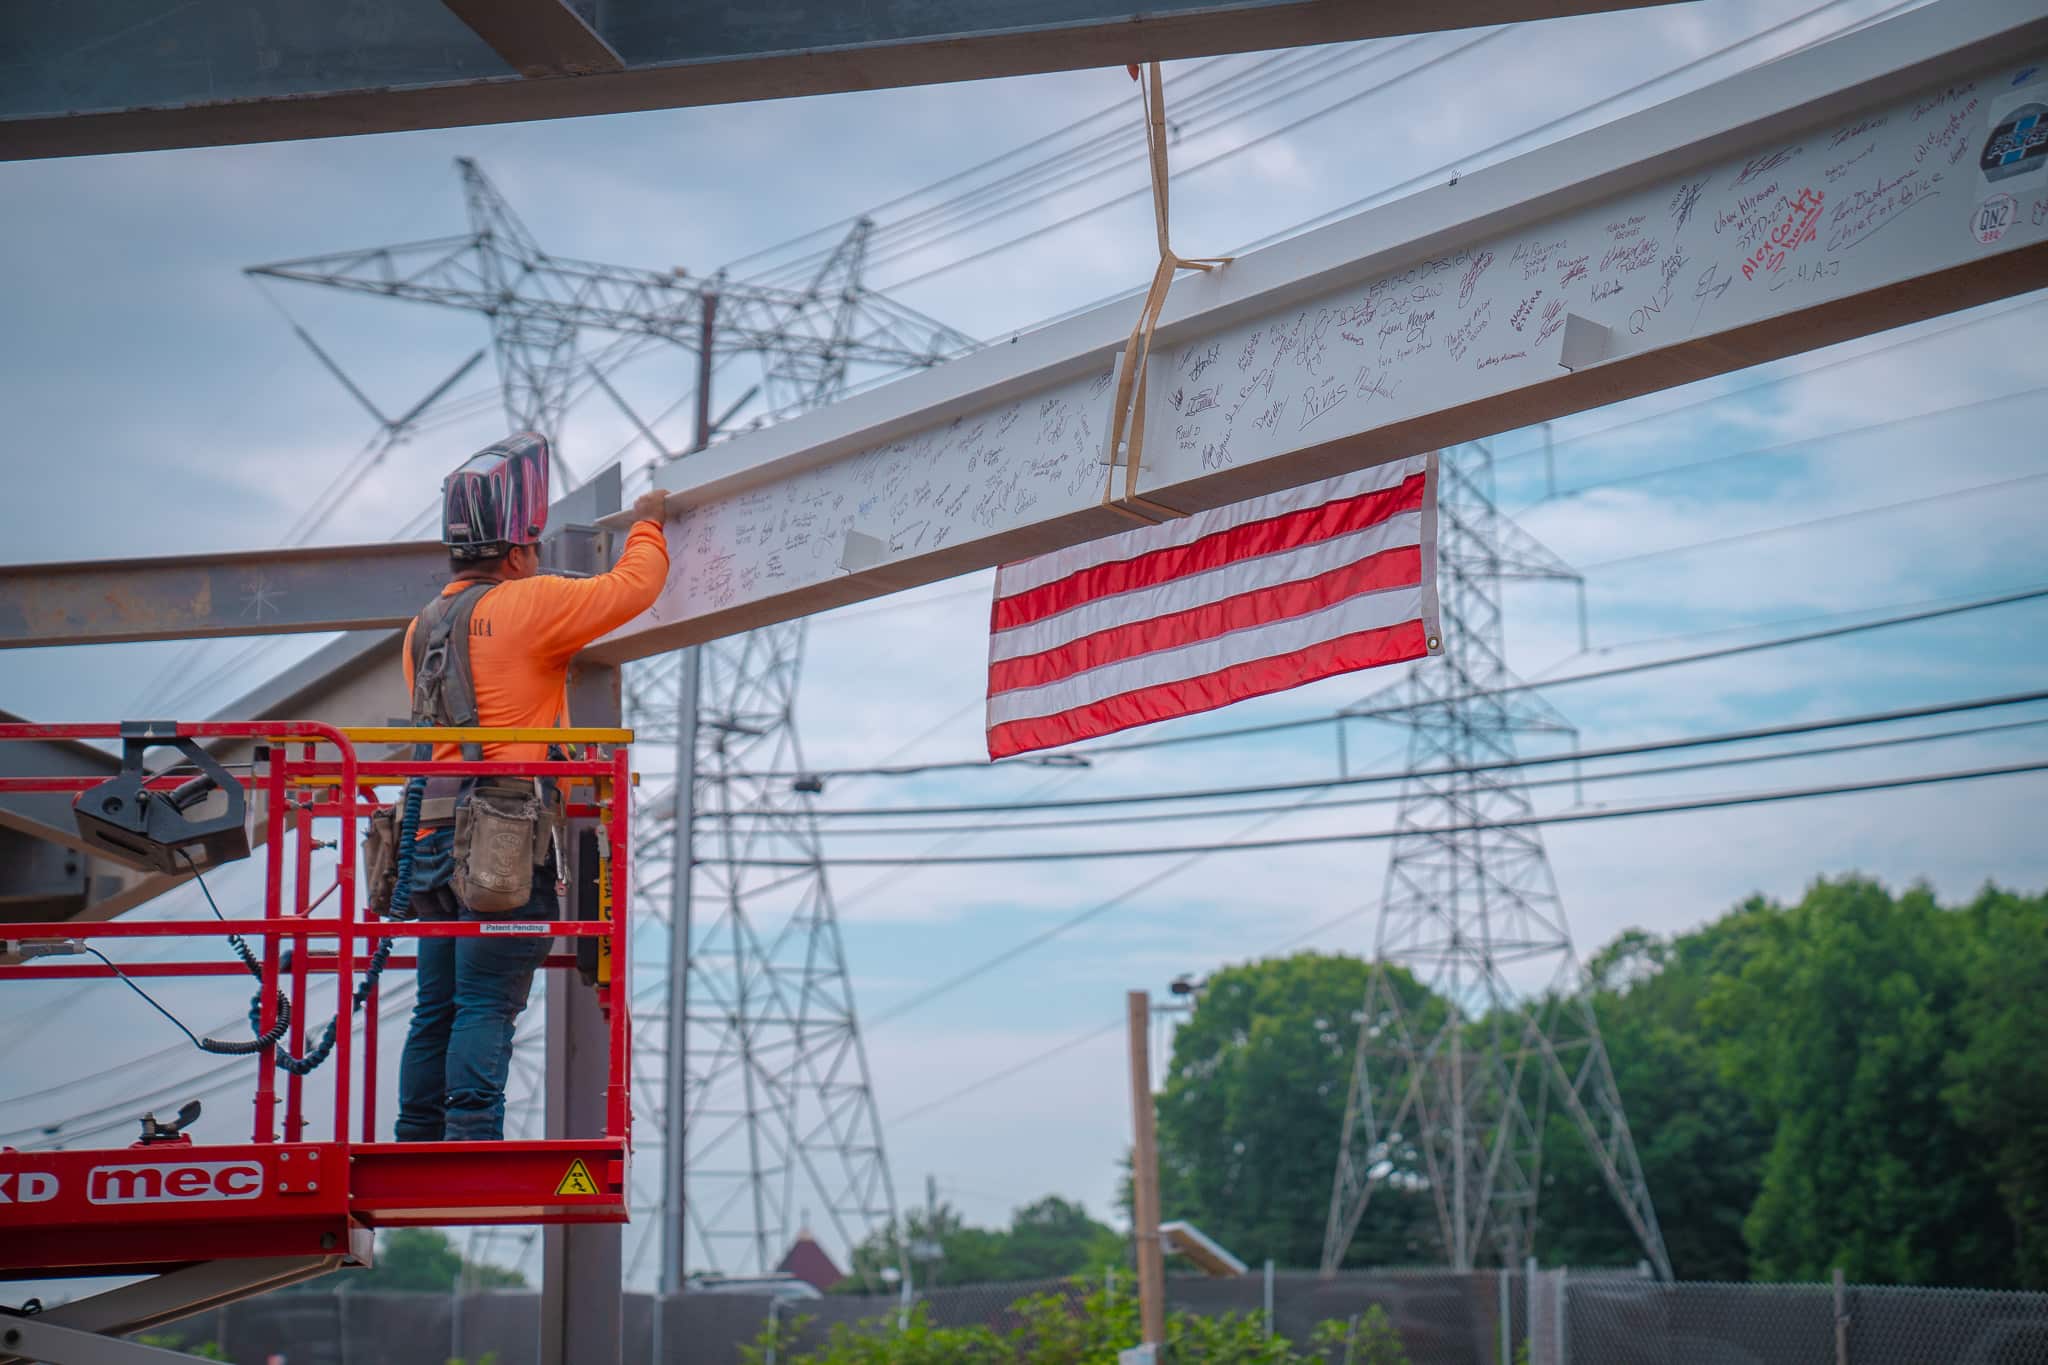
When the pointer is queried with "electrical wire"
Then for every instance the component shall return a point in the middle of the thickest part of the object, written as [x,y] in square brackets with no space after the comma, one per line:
[1372,836]
[1069,175]
[1512,761]
[1069,1044]
[1530,685]
[147,998]
[1194,113]
[839,225]
[1833,518]
[1468,163]
[1477,160]
[1240,149]
[395,1003]
[1694,466]
[1457,770]
[1537,784]
[1065,926]
[910,1115]
[1918,336]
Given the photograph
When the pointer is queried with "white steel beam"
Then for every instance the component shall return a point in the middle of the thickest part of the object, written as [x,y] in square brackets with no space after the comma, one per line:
[1832,193]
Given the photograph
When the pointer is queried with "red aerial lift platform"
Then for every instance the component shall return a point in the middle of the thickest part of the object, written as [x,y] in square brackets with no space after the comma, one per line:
[287,1201]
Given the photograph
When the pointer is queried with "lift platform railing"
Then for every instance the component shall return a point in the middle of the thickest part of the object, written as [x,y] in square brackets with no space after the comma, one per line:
[172,1200]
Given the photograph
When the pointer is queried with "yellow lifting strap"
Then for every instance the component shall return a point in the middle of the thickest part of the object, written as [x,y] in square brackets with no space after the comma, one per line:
[1128,406]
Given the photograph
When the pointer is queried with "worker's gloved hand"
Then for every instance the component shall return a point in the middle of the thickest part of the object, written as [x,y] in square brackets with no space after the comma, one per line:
[650,505]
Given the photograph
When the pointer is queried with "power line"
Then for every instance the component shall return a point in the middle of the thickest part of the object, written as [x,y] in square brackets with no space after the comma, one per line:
[1067,925]
[1370,836]
[1075,175]
[840,225]
[1742,537]
[1467,164]
[1069,168]
[1693,466]
[1623,670]
[1068,1045]
[1535,784]
[1916,338]
[1789,728]
[1593,675]
[1474,160]
[1199,166]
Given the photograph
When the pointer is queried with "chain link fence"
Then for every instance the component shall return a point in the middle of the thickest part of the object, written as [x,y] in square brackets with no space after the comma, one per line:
[1553,1317]
[1640,1322]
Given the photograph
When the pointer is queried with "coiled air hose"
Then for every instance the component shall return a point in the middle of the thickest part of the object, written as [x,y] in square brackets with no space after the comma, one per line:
[400,908]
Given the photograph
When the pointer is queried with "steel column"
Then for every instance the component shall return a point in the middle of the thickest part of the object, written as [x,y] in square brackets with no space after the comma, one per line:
[583,1270]
[675,1219]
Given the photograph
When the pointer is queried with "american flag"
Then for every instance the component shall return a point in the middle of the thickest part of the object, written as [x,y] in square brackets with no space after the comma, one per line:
[1197,613]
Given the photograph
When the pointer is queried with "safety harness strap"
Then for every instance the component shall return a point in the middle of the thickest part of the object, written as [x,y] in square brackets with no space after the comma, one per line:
[443,688]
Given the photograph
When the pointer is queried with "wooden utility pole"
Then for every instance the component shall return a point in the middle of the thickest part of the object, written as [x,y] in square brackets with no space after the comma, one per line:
[1145,1177]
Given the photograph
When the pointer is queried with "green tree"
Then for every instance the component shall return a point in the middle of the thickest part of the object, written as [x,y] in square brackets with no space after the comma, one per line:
[1998,1080]
[1250,1119]
[1053,1237]
[417,1259]
[1052,1329]
[1699,1138]
[1048,1238]
[1839,1026]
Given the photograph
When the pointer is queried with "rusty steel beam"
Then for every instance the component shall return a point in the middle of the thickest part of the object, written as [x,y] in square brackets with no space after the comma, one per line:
[259,592]
[538,37]
[101,83]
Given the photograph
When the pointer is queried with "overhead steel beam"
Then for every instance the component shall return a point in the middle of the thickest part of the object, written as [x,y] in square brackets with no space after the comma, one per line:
[47,815]
[134,75]
[258,592]
[538,37]
[1830,194]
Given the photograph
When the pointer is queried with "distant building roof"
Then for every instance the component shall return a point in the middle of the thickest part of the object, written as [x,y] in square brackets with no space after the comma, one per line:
[808,1262]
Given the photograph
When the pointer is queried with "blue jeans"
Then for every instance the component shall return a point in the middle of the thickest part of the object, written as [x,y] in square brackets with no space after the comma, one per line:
[451,1079]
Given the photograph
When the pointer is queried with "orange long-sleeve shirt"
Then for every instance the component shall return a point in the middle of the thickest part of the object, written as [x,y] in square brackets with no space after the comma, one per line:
[524,633]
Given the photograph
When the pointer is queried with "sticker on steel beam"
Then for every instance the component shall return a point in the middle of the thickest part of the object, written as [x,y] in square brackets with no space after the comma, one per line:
[577,1180]
[1994,216]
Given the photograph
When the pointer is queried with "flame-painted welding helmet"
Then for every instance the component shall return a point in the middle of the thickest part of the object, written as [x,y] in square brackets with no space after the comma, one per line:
[497,499]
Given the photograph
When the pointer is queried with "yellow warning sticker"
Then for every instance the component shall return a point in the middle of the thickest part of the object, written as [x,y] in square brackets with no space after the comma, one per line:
[577,1180]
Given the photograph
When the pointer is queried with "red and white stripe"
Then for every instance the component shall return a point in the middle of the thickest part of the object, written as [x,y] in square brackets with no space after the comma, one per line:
[1194,614]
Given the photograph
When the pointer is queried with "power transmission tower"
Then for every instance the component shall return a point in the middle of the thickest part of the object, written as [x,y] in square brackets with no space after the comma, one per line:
[752,1053]
[1475,917]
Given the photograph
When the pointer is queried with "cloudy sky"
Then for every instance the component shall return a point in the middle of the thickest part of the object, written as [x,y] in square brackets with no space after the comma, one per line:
[160,403]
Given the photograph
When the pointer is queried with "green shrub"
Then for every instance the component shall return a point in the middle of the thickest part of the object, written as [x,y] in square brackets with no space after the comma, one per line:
[1051,1329]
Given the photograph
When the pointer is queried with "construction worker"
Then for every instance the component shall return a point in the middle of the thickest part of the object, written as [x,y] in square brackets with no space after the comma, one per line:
[494,650]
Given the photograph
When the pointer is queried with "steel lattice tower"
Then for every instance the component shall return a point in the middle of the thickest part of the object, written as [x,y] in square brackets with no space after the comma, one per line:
[1463,1092]
[778,1105]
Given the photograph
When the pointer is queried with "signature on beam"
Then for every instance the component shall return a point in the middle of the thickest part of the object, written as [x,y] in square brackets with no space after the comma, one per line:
[1320,399]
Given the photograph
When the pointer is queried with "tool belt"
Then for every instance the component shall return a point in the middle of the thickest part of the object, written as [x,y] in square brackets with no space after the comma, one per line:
[504,833]
[505,827]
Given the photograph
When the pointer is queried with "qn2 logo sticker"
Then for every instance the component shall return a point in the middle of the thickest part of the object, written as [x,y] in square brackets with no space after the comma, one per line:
[1993,217]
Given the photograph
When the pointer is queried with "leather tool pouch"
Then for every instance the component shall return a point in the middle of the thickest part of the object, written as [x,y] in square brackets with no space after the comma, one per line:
[380,859]
[501,836]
